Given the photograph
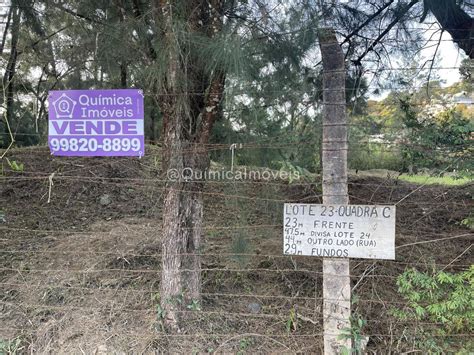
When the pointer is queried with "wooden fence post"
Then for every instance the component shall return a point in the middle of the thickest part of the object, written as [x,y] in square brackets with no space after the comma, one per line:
[336,279]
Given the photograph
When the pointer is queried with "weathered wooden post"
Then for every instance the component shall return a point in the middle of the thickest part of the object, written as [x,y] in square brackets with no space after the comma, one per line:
[335,230]
[336,279]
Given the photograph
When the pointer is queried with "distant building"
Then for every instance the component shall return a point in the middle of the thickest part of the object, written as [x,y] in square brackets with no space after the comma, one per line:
[463,98]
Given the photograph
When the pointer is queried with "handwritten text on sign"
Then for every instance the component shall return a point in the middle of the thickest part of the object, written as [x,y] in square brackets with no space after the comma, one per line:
[96,123]
[346,231]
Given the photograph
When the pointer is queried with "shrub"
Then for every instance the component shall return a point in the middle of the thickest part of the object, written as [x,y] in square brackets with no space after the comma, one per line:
[446,300]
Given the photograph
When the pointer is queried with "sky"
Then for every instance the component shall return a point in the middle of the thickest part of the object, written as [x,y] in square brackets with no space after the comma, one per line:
[450,56]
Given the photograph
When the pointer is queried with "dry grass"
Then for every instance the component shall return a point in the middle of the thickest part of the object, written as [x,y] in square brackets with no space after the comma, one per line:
[79,275]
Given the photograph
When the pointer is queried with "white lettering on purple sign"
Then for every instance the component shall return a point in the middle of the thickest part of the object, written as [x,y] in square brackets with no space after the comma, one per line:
[96,123]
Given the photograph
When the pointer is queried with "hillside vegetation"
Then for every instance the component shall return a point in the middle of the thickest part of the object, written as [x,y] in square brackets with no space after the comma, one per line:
[82,270]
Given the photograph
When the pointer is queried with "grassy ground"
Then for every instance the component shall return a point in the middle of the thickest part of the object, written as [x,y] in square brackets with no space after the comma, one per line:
[80,273]
[436,180]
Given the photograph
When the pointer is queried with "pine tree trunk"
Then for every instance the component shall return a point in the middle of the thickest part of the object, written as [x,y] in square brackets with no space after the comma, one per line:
[189,112]
[9,75]
[453,19]
[336,280]
[153,114]
[182,230]
[123,75]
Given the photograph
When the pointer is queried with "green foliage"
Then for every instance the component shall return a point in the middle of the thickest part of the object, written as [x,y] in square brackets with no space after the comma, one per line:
[292,321]
[468,222]
[412,130]
[295,172]
[466,69]
[195,305]
[11,346]
[438,297]
[244,344]
[160,311]
[374,156]
[224,52]
[25,129]
[354,332]
[438,180]
[240,245]
[14,165]
[268,51]
[370,142]
[437,140]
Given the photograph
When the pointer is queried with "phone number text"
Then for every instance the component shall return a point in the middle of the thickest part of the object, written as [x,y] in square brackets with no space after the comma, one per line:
[93,144]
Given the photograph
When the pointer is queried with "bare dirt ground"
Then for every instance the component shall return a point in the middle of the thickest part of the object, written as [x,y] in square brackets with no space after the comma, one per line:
[80,274]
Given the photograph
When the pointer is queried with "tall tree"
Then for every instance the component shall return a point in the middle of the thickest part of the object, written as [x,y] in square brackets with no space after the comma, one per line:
[189,102]
[8,82]
[455,20]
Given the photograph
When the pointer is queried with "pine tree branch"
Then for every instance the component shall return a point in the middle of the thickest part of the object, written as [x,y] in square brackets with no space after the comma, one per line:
[453,19]
[366,22]
[432,63]
[45,38]
[76,14]
[384,32]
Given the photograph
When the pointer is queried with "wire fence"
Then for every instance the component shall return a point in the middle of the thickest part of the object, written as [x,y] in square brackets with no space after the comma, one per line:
[98,275]
[73,268]
[68,276]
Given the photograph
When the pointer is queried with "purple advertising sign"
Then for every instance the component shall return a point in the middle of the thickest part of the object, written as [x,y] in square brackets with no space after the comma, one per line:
[96,123]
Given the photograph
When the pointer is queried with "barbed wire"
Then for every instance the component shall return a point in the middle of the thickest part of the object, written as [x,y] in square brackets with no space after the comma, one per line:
[121,308]
[223,195]
[127,253]
[206,270]
[463,148]
[305,141]
[25,269]
[276,335]
[392,177]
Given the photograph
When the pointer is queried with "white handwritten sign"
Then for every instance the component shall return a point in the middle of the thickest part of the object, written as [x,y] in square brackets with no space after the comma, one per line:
[344,231]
